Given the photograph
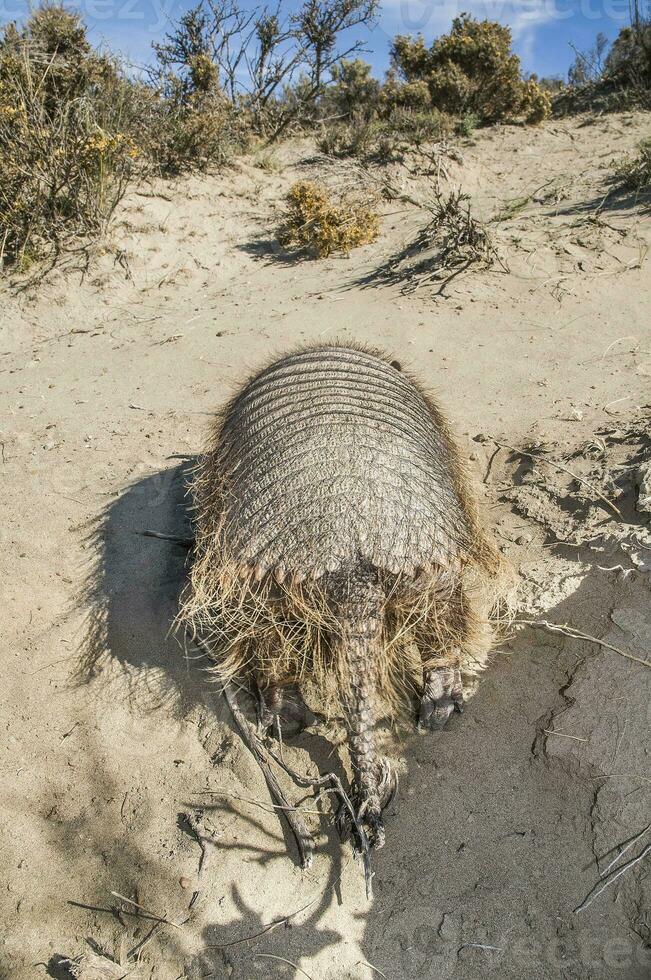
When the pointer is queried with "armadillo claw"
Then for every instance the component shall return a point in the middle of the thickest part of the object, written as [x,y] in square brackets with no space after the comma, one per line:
[372,824]
[442,695]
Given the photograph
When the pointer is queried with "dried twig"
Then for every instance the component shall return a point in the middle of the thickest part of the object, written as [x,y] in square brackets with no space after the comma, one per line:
[329,782]
[598,889]
[270,956]
[578,635]
[152,915]
[268,807]
[631,843]
[177,539]
[498,949]
[268,928]
[200,835]
[576,738]
[302,836]
[371,967]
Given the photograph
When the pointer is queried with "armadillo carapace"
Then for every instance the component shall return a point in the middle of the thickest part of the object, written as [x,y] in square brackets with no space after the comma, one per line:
[338,548]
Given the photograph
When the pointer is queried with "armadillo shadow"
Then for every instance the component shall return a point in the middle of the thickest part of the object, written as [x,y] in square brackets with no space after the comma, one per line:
[131,595]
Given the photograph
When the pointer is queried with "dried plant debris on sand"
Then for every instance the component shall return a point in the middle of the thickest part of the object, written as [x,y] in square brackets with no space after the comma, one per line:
[452,242]
[584,492]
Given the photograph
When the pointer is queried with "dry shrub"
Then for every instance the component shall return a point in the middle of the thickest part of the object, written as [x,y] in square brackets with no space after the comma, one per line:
[385,139]
[317,223]
[195,124]
[194,131]
[460,240]
[471,70]
[65,150]
[634,172]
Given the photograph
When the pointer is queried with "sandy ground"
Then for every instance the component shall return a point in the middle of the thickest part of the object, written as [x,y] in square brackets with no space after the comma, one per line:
[111,736]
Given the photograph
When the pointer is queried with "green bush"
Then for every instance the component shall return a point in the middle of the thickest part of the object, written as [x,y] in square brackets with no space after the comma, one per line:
[196,124]
[352,93]
[194,129]
[612,82]
[470,70]
[629,60]
[385,138]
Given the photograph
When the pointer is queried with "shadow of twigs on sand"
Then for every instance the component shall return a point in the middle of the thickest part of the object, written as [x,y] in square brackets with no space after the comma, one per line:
[130,653]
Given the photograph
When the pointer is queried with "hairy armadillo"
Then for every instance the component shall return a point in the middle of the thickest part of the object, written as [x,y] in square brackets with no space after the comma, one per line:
[338,547]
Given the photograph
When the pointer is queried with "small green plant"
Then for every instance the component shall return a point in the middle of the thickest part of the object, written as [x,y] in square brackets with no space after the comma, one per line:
[314,221]
[468,124]
[387,138]
[268,161]
[355,138]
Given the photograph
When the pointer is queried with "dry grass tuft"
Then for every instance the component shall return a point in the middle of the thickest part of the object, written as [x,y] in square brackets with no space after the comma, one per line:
[318,223]
[634,172]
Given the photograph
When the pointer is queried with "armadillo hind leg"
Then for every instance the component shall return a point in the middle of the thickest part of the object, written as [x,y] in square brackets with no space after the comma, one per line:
[282,707]
[442,694]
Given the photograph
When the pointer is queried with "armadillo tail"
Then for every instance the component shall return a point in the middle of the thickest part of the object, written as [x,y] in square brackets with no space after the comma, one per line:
[359,647]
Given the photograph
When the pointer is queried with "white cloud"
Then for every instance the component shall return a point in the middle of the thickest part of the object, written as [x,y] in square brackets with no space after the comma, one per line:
[432,17]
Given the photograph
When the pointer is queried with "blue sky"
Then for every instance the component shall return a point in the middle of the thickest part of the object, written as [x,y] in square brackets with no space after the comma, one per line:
[543,30]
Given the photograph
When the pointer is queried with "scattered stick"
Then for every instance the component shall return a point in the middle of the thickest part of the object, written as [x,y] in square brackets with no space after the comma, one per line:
[329,783]
[598,889]
[624,849]
[576,738]
[133,952]
[200,835]
[577,635]
[268,807]
[268,928]
[563,469]
[498,949]
[270,956]
[490,464]
[302,836]
[177,539]
[141,908]
[371,967]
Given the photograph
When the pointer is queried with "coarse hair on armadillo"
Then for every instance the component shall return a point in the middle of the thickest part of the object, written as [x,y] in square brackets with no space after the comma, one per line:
[281,624]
